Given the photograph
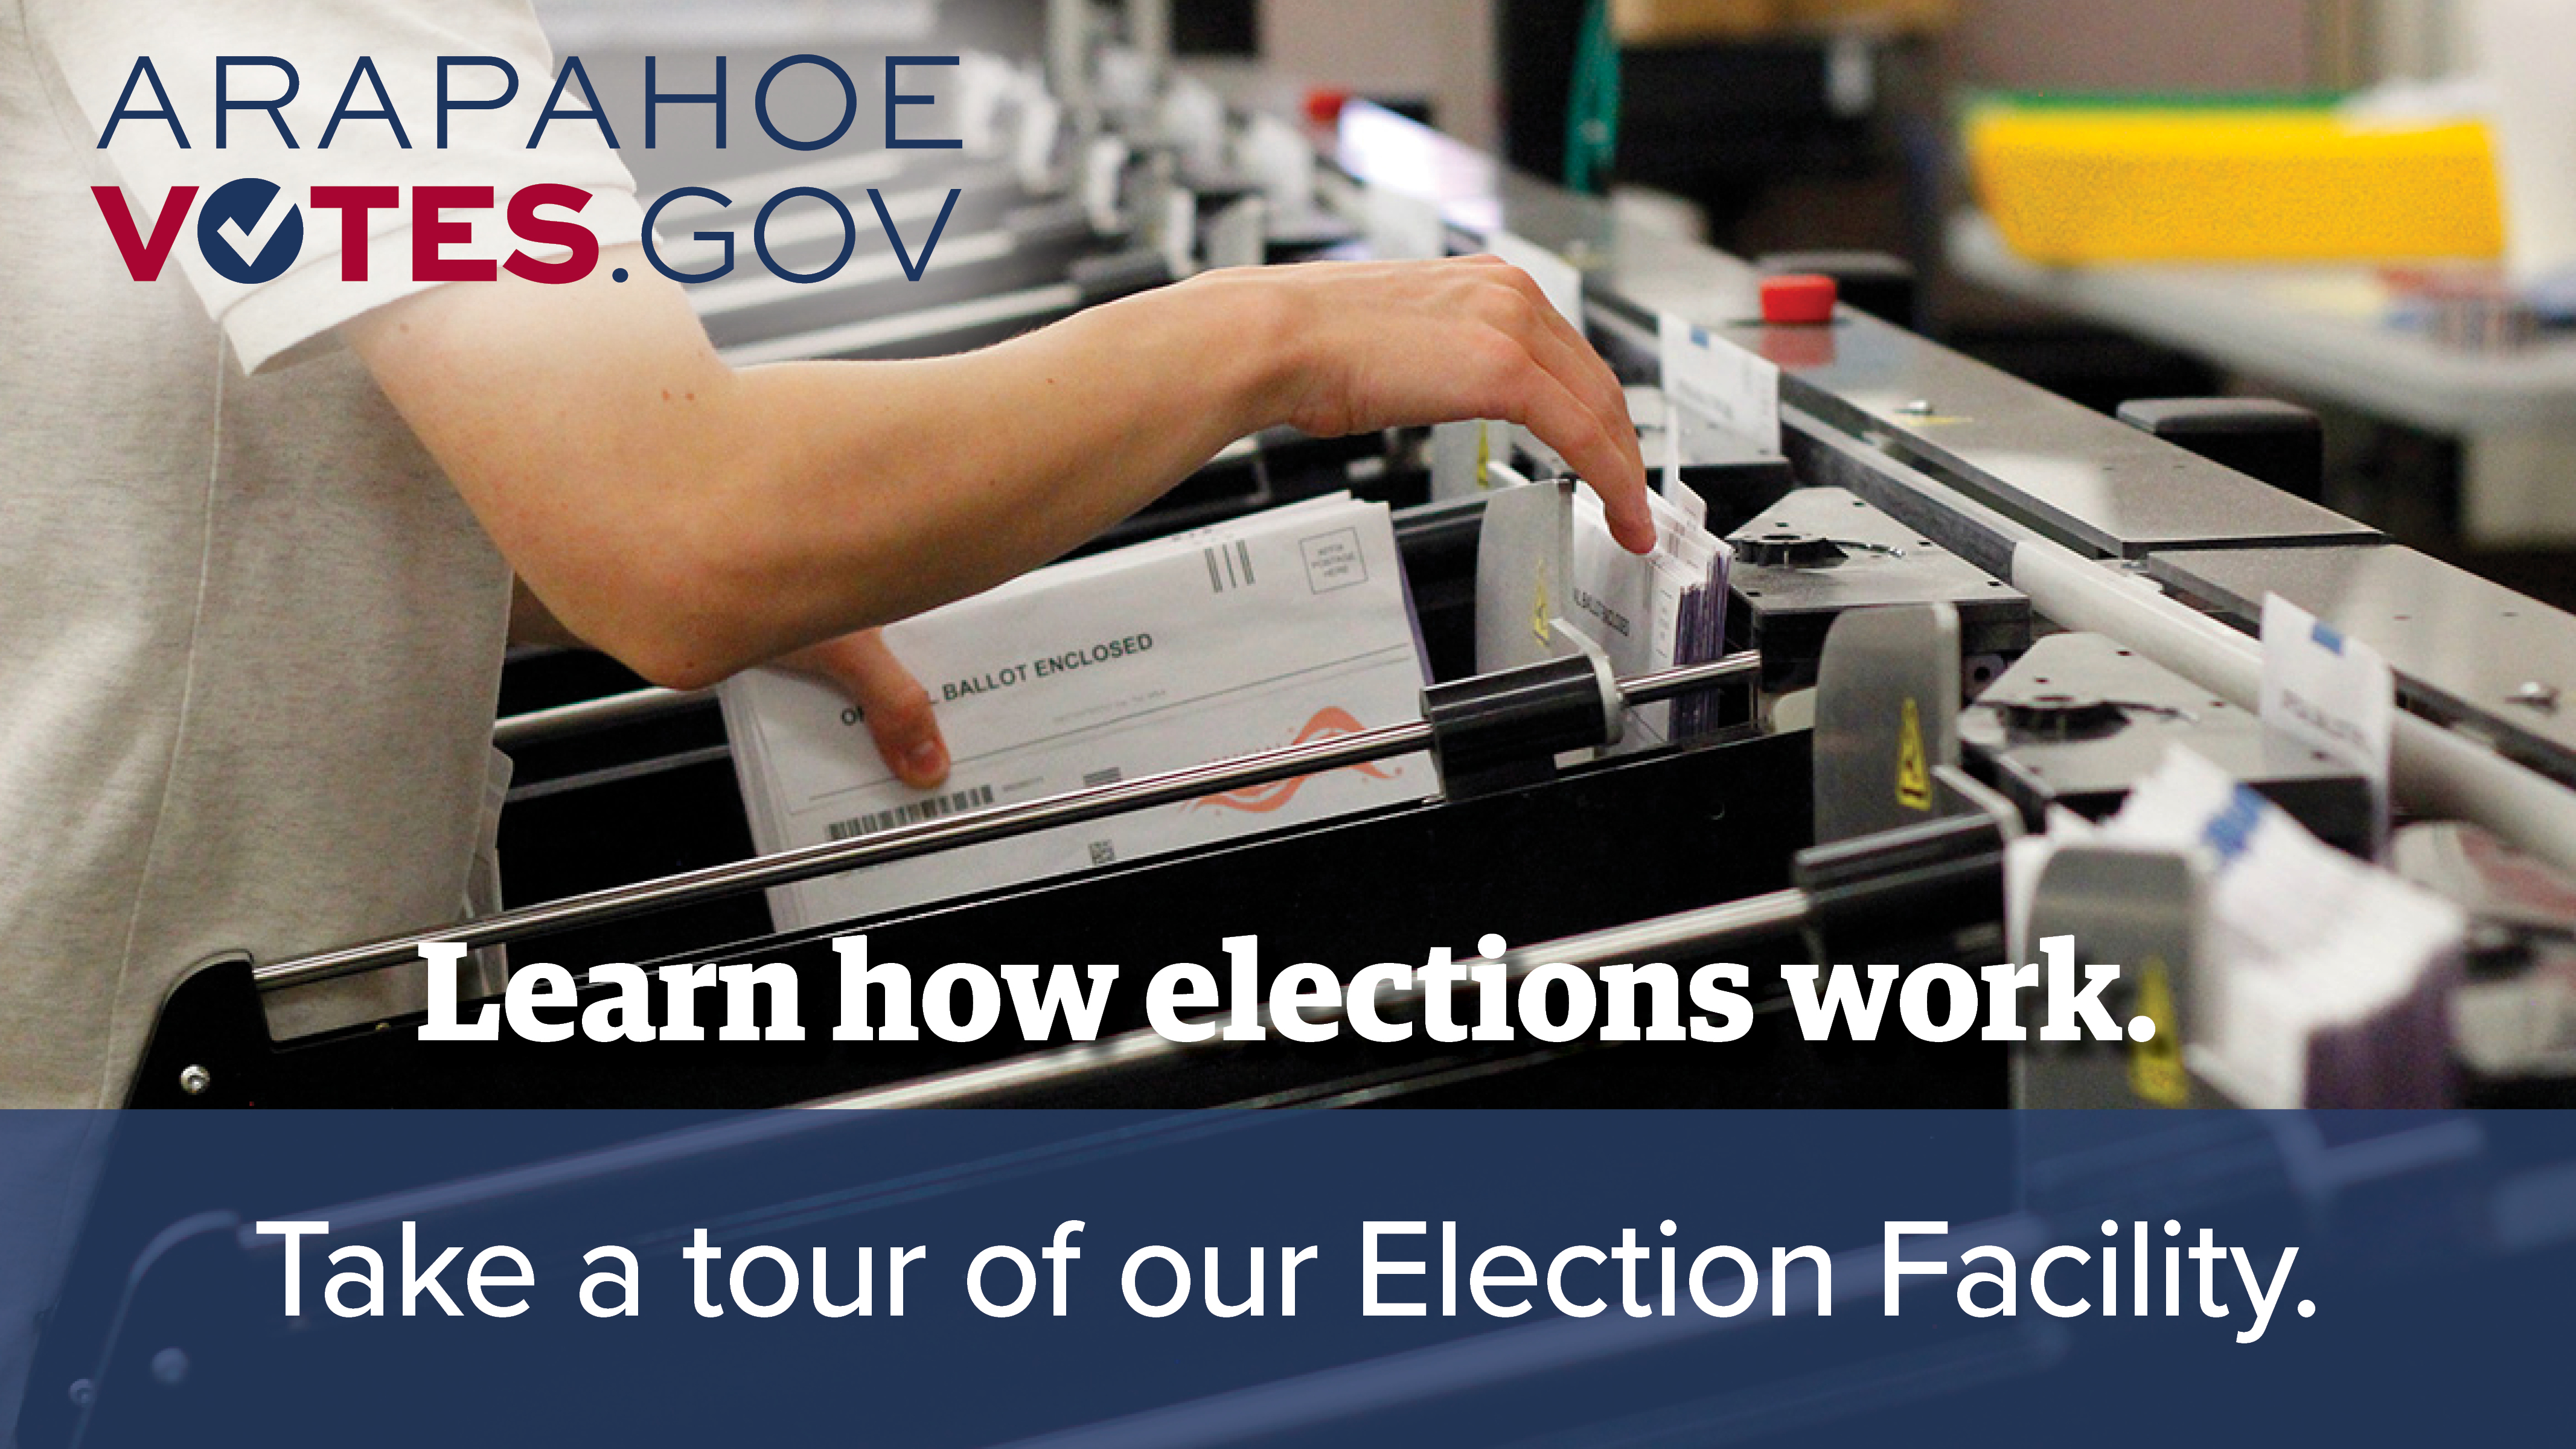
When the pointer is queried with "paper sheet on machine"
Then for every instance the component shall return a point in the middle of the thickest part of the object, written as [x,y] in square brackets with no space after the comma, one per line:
[1287,626]
[1546,562]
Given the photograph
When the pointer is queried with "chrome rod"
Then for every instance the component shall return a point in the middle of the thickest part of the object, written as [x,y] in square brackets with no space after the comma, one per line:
[904,842]
[1711,928]
[1641,690]
[540,725]
[789,867]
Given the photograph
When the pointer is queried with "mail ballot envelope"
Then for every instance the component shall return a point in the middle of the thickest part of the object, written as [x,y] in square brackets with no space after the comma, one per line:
[1284,627]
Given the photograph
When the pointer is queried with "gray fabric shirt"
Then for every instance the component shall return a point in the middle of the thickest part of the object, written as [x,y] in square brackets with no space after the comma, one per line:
[251,637]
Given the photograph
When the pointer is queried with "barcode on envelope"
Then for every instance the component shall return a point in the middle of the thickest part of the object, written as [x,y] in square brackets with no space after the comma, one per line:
[935,808]
[1229,566]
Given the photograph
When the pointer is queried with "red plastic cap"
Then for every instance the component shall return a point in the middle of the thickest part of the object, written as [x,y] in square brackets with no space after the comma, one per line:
[1798,300]
[1324,104]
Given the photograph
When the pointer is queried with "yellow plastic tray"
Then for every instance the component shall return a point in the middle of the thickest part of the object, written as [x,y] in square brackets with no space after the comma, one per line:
[2073,185]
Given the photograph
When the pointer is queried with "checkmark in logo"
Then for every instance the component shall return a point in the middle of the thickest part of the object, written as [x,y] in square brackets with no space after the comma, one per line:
[249,233]
[249,242]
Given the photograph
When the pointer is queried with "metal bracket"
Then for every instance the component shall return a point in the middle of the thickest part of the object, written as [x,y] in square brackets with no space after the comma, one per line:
[208,1046]
[1930,880]
[2080,719]
[2140,909]
[1822,552]
[1503,731]
[1887,718]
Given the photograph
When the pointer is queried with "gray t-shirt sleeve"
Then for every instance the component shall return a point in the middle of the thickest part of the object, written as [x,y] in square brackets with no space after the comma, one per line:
[92,47]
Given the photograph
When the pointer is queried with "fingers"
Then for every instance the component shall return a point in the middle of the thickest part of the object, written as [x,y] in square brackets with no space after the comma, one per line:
[898,710]
[1411,343]
[1575,430]
[1583,363]
[1621,479]
[1584,417]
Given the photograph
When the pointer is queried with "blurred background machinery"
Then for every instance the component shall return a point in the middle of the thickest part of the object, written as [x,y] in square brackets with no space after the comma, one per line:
[2447,400]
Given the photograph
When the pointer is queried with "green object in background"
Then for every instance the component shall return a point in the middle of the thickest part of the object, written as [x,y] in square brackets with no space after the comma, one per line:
[1592,112]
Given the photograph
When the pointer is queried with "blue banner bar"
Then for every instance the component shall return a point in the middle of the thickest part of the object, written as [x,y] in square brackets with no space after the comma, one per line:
[1074,1280]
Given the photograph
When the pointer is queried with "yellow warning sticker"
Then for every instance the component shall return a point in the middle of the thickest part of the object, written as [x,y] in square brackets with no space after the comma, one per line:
[2156,1072]
[1484,455]
[1913,766]
[1539,610]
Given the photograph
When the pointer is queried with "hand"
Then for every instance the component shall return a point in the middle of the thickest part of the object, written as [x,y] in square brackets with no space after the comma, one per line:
[897,709]
[694,519]
[1403,344]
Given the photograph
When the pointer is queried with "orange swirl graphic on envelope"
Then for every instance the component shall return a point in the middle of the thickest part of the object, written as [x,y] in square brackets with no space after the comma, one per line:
[1330,722]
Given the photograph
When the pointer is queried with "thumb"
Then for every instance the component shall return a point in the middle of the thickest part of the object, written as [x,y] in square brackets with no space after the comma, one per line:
[897,709]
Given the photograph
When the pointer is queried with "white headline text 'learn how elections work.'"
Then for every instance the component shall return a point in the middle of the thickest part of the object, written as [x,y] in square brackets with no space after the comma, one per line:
[1288,626]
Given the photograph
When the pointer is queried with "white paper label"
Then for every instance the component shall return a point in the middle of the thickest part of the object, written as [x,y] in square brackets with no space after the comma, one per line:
[1711,379]
[1463,455]
[1405,228]
[1557,277]
[2330,693]
[2298,939]
[1520,565]
[1673,486]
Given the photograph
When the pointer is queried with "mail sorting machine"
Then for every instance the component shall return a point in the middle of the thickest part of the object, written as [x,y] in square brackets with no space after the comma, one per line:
[1941,515]
[1039,227]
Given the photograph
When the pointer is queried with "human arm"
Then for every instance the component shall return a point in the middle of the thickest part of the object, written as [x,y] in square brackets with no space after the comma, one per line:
[533,624]
[694,519]
[896,708]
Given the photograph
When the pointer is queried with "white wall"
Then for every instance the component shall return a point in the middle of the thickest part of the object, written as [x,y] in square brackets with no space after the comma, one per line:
[1443,49]
[2141,44]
